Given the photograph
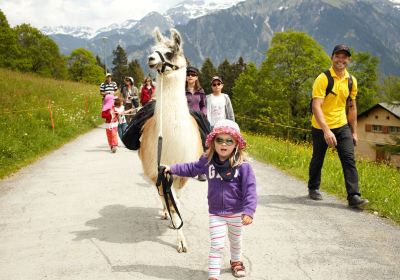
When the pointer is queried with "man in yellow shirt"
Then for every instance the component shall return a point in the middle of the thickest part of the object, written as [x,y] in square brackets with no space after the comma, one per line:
[332,127]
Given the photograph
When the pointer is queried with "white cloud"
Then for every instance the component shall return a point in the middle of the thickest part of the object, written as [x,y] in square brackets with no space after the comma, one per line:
[92,13]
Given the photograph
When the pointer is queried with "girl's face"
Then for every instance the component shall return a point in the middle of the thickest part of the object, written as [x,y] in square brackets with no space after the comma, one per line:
[191,77]
[224,145]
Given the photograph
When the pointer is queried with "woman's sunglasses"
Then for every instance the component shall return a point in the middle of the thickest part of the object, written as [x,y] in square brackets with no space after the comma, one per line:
[191,74]
[216,84]
[228,141]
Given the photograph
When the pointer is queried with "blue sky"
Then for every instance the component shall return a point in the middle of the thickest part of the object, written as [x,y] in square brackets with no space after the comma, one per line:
[91,13]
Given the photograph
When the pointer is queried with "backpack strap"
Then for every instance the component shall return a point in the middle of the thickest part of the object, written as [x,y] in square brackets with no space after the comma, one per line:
[329,88]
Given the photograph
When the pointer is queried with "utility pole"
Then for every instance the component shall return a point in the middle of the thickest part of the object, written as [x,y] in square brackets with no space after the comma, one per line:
[104,52]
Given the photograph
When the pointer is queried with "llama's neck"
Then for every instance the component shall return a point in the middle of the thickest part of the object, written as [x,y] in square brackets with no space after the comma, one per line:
[170,94]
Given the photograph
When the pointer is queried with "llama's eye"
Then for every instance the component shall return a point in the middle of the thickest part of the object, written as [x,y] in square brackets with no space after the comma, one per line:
[169,55]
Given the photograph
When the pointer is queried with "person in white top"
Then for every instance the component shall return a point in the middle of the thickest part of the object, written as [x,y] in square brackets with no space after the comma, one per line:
[120,109]
[219,105]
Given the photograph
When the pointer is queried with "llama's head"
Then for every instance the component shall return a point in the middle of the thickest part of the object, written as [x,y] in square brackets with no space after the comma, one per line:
[167,53]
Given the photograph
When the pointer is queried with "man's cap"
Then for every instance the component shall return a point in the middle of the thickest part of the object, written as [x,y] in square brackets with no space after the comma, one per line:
[216,78]
[108,75]
[191,69]
[341,48]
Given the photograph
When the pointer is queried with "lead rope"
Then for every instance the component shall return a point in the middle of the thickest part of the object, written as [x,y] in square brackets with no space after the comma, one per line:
[165,180]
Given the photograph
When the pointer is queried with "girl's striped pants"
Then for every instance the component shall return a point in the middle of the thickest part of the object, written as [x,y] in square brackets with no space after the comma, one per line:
[219,225]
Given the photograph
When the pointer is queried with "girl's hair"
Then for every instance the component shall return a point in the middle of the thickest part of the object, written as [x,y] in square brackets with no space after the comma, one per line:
[237,157]
[148,79]
[118,102]
[197,85]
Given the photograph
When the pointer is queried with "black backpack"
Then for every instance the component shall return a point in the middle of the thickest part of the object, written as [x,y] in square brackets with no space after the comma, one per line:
[330,87]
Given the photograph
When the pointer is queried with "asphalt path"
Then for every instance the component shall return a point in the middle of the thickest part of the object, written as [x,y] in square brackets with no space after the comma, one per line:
[82,212]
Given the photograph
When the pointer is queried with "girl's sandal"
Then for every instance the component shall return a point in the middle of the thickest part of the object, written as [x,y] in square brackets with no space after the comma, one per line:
[238,269]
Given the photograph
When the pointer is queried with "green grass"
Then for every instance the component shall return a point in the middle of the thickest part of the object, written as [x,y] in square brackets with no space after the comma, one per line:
[379,183]
[26,128]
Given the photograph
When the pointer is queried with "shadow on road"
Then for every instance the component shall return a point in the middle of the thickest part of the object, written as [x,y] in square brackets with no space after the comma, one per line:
[121,224]
[274,200]
[163,272]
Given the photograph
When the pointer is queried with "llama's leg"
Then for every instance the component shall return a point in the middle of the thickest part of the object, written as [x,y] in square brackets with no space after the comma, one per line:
[181,239]
[164,212]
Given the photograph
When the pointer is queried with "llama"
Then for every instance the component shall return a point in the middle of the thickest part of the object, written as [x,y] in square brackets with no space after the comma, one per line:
[181,137]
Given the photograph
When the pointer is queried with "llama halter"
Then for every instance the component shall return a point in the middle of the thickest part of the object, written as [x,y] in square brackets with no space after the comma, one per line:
[165,63]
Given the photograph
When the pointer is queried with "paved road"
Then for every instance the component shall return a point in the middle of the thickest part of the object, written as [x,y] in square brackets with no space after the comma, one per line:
[84,213]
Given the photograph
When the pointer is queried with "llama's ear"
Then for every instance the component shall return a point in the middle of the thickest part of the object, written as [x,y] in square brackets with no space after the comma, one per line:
[176,38]
[158,35]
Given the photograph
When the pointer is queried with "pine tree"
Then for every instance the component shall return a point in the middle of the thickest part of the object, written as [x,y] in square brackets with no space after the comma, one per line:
[226,73]
[136,72]
[120,62]
[99,63]
[207,72]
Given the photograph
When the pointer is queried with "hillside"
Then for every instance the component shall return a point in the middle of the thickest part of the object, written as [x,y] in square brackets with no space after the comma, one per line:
[26,130]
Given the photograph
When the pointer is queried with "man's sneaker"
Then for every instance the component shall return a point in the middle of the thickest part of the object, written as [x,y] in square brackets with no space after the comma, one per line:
[314,194]
[202,177]
[356,201]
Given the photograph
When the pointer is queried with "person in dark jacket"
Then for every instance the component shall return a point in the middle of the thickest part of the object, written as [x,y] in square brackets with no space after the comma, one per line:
[232,197]
[196,97]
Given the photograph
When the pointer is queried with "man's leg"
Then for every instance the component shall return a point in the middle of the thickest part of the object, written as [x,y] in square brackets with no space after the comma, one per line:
[345,148]
[317,160]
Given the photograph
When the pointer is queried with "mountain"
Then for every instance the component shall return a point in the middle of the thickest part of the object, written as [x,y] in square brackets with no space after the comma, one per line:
[190,9]
[245,29]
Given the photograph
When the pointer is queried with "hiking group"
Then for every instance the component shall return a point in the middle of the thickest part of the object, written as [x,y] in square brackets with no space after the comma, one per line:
[223,163]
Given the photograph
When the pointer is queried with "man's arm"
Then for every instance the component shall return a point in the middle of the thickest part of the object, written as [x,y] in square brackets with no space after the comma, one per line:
[352,119]
[320,119]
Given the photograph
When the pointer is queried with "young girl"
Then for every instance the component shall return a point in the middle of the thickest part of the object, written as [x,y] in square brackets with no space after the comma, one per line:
[120,110]
[109,113]
[232,197]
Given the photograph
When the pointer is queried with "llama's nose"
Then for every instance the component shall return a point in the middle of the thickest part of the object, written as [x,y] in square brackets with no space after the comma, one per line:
[151,61]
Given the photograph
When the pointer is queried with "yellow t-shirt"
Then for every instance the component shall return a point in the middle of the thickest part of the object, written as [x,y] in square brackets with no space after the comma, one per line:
[334,106]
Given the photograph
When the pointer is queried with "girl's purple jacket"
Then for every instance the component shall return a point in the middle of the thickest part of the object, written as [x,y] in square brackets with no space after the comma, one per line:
[236,196]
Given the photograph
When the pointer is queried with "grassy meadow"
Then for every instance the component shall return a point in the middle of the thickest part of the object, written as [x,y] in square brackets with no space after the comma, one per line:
[379,183]
[26,127]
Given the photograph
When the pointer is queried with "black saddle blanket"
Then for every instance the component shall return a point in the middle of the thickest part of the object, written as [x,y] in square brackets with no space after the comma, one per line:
[132,134]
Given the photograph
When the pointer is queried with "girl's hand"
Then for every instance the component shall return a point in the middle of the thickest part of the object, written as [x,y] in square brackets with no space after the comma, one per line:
[167,169]
[246,220]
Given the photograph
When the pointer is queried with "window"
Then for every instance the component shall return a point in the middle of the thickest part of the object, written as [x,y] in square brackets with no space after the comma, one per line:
[394,129]
[376,128]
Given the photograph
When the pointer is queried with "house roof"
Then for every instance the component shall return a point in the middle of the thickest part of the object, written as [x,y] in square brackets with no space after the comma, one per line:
[394,109]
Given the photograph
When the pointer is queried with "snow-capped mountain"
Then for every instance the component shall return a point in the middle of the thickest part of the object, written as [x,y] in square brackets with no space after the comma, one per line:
[179,14]
[191,9]
[207,29]
[83,32]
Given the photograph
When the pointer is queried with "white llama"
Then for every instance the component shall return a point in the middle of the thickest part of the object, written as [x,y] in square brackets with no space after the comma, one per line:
[181,137]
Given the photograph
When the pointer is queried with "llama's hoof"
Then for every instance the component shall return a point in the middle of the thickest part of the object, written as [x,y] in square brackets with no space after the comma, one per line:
[182,248]
[163,215]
